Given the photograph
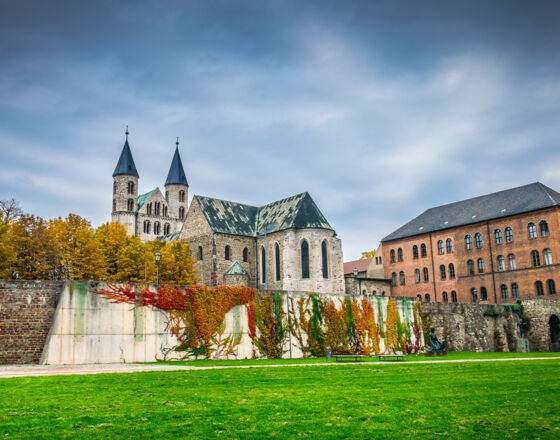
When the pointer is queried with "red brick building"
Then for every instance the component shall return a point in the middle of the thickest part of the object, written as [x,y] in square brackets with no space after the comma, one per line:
[491,249]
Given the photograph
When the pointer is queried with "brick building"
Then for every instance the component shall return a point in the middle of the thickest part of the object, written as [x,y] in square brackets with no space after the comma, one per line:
[494,248]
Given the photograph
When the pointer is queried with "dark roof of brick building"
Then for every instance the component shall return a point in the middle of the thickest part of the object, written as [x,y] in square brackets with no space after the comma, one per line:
[500,204]
[299,211]
[176,173]
[125,165]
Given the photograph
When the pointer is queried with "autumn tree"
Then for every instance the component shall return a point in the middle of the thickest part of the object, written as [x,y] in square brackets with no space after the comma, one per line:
[111,238]
[79,253]
[132,260]
[7,255]
[9,210]
[391,327]
[367,254]
[33,247]
[177,264]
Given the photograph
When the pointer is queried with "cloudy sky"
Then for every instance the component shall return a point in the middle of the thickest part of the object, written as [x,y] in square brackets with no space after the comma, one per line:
[379,110]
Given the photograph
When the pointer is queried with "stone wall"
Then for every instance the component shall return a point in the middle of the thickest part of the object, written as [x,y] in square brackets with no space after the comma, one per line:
[27,309]
[366,286]
[485,327]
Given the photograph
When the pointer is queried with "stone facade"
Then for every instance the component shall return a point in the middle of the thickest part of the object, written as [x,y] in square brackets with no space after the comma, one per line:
[525,275]
[27,309]
[366,286]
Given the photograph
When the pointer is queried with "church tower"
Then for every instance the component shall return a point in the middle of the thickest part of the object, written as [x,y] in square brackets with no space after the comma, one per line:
[177,187]
[125,190]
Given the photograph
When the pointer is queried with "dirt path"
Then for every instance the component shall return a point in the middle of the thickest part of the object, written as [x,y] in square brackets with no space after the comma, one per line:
[56,370]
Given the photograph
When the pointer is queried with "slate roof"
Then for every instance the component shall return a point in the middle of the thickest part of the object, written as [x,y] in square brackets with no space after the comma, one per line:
[125,165]
[143,199]
[500,204]
[236,269]
[361,265]
[176,173]
[299,211]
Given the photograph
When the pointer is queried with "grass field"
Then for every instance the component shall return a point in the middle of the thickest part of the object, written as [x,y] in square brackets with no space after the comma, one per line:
[459,400]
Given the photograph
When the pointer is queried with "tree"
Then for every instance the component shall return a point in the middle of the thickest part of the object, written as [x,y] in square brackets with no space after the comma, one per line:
[111,238]
[34,250]
[78,251]
[131,261]
[7,254]
[177,264]
[10,210]
[391,327]
[367,254]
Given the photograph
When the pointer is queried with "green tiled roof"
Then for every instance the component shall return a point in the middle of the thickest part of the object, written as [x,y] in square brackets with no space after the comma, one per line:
[299,211]
[143,199]
[236,269]
[169,237]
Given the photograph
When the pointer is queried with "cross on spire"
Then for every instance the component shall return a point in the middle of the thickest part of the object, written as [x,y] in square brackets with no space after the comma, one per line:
[177,143]
[126,132]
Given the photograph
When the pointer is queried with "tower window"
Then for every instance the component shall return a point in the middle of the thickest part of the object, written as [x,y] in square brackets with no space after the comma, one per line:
[114,205]
[114,187]
[304,260]
[181,212]
[181,196]
[130,205]
[130,187]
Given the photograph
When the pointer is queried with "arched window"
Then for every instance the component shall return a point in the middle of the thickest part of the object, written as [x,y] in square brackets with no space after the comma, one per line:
[324,260]
[263,264]
[539,288]
[374,292]
[474,295]
[498,235]
[399,253]
[394,278]
[445,297]
[423,252]
[417,275]
[426,274]
[551,287]
[511,262]
[227,252]
[440,247]
[199,256]
[451,270]
[146,226]
[468,241]
[401,278]
[449,245]
[543,225]
[114,187]
[245,255]
[114,205]
[504,291]
[480,265]
[470,266]
[149,209]
[392,256]
[478,239]
[164,211]
[453,296]
[156,208]
[442,271]
[364,292]
[277,260]
[181,196]
[157,228]
[509,234]
[166,229]
[501,263]
[535,258]
[130,205]
[514,290]
[532,230]
[414,251]
[130,187]
[304,260]
[427,297]
[547,256]
[483,294]
[181,212]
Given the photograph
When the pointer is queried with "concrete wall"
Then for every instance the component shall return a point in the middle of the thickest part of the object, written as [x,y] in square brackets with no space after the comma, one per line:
[27,309]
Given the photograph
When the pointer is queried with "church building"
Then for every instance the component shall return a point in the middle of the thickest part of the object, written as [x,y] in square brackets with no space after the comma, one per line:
[285,245]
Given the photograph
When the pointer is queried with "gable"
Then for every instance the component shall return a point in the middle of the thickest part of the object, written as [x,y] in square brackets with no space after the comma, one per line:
[154,195]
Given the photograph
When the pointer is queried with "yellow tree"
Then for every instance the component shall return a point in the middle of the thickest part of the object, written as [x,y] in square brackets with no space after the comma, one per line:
[391,329]
[7,254]
[177,264]
[131,261]
[111,238]
[33,245]
[77,249]
[367,254]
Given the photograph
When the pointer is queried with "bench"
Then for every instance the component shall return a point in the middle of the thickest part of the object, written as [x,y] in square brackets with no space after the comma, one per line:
[399,355]
[356,357]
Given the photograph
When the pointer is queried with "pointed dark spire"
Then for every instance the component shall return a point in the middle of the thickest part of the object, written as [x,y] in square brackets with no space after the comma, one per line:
[176,175]
[126,162]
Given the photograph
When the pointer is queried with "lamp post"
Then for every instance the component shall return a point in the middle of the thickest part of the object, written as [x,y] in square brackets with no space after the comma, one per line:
[158,257]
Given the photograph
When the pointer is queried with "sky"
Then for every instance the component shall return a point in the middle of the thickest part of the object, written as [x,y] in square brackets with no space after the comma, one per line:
[380,110]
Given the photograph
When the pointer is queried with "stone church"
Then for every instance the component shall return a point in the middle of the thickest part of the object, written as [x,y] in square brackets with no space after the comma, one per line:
[285,245]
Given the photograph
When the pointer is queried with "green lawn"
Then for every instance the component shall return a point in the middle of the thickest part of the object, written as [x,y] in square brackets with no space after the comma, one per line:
[461,400]
[451,356]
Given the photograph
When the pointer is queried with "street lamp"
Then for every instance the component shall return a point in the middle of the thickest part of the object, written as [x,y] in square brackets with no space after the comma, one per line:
[158,257]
